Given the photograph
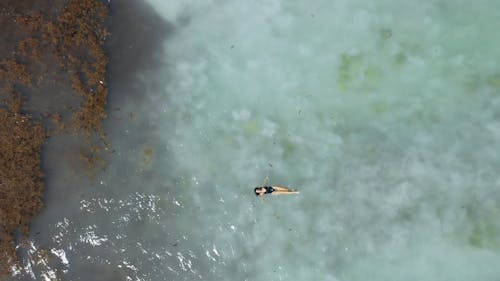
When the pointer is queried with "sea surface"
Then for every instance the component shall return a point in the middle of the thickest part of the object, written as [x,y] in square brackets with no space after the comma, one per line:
[384,114]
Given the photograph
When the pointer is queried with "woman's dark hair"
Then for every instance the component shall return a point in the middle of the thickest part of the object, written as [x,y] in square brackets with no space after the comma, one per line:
[255,190]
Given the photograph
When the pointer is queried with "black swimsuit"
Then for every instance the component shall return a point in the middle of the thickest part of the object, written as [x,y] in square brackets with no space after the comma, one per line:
[269,190]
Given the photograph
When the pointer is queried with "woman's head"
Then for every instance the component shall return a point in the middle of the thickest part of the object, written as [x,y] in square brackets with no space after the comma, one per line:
[259,191]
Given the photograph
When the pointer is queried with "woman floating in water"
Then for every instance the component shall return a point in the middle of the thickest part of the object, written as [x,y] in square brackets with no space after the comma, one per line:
[275,190]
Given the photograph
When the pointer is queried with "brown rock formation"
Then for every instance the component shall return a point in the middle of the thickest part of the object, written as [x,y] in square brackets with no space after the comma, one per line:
[52,71]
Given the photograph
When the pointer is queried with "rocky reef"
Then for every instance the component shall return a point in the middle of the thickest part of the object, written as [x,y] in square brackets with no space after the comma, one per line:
[52,81]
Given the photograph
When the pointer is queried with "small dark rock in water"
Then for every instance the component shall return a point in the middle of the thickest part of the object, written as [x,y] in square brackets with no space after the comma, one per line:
[386,33]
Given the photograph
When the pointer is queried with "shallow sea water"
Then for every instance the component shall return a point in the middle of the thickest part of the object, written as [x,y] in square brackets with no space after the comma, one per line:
[384,114]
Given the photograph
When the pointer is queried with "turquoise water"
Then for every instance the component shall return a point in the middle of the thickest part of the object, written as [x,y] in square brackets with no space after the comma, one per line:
[384,114]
